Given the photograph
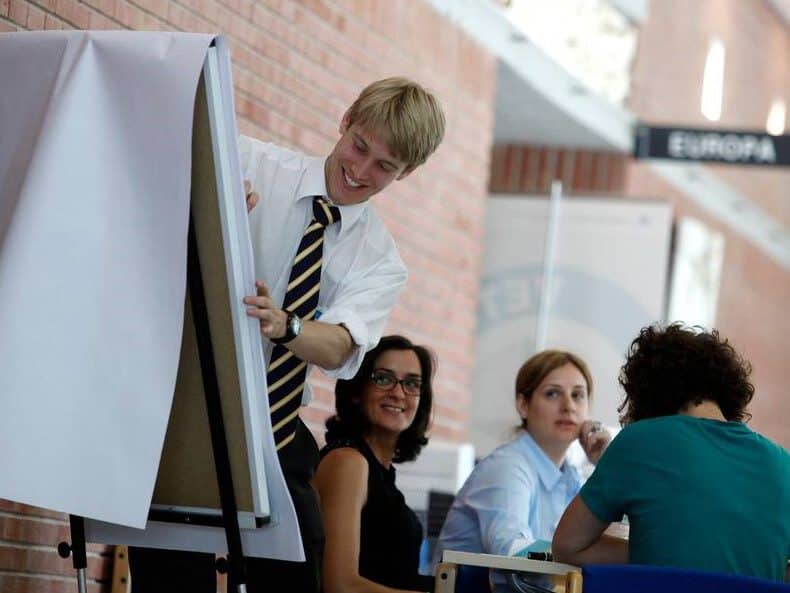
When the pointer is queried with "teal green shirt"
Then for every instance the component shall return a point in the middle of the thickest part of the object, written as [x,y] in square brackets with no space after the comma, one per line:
[699,494]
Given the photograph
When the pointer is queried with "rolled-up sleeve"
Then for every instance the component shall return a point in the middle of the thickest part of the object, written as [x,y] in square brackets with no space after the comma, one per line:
[245,151]
[363,305]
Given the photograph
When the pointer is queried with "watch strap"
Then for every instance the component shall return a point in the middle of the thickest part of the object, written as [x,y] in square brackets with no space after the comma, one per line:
[290,334]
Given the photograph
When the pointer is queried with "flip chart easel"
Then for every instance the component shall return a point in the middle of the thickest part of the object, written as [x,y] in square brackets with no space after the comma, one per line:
[206,305]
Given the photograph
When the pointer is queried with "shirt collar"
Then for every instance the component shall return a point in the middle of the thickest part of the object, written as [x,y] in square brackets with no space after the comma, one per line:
[313,183]
[548,473]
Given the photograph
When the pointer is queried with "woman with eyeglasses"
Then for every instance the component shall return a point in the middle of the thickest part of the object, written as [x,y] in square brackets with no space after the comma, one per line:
[512,500]
[372,537]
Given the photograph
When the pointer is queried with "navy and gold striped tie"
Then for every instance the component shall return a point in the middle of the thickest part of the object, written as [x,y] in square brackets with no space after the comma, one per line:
[287,374]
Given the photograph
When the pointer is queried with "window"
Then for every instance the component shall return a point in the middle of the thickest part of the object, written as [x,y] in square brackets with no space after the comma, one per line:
[713,81]
[775,124]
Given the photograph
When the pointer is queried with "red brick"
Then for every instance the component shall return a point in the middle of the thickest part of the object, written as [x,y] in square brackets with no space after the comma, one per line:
[19,508]
[14,583]
[82,16]
[36,560]
[128,15]
[158,8]
[106,7]
[100,22]
[35,18]
[32,530]
[65,10]
[17,12]
[526,169]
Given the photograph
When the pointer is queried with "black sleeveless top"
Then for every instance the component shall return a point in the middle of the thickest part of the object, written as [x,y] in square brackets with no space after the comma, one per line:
[390,532]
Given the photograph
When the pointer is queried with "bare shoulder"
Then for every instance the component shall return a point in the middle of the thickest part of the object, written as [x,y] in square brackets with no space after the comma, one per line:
[346,456]
[343,463]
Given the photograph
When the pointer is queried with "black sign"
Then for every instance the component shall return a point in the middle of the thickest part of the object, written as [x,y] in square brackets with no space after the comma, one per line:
[712,146]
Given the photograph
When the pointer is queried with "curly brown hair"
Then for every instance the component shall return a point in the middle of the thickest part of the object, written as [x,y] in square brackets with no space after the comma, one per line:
[671,368]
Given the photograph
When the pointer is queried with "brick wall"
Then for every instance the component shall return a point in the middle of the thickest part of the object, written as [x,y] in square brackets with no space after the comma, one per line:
[666,89]
[29,562]
[755,290]
[297,66]
[668,70]
[752,306]
[667,76]
[526,169]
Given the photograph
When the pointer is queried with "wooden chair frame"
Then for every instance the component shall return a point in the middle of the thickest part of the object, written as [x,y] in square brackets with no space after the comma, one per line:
[567,578]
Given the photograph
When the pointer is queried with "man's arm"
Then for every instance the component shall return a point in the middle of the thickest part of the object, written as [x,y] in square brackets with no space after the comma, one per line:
[323,344]
[579,538]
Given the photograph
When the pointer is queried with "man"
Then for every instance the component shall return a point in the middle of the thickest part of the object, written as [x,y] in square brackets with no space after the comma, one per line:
[392,128]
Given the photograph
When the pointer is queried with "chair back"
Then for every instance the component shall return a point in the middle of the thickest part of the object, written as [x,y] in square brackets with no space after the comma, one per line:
[439,504]
[633,578]
[472,579]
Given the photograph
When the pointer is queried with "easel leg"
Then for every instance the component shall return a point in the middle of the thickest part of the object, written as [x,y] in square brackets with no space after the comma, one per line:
[235,560]
[77,552]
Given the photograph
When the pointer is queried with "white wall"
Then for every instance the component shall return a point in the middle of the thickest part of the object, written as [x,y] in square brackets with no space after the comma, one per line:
[609,278]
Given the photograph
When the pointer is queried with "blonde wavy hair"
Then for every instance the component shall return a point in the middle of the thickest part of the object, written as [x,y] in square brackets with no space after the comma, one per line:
[408,117]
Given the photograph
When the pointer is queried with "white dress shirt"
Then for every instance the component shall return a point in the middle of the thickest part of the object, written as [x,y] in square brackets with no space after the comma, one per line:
[362,272]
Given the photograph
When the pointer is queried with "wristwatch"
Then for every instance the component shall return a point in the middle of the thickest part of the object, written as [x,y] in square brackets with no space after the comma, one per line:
[293,327]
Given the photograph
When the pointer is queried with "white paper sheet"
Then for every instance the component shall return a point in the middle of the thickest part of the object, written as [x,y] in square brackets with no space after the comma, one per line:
[280,538]
[94,174]
[95,151]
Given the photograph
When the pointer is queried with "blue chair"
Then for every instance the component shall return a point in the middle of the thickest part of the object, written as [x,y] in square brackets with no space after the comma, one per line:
[633,578]
[472,579]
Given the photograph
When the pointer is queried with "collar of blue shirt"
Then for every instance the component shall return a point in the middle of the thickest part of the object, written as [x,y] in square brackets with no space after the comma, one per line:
[549,473]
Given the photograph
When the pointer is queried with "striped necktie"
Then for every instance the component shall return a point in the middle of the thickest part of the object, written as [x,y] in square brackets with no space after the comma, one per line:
[287,374]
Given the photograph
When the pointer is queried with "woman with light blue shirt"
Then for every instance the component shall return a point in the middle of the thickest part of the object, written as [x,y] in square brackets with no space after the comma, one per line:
[514,497]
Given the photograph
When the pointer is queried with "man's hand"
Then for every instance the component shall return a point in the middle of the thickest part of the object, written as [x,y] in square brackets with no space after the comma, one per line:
[327,345]
[252,197]
[594,438]
[272,319]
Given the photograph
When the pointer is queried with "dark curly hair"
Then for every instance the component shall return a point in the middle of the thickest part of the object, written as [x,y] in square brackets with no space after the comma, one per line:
[670,369]
[350,423]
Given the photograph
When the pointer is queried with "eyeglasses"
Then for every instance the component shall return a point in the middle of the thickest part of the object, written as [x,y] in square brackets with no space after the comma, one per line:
[386,381]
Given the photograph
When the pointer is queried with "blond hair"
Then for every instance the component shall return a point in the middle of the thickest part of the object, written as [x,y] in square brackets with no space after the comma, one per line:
[409,118]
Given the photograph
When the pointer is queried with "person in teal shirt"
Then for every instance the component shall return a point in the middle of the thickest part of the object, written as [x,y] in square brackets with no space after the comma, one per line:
[700,489]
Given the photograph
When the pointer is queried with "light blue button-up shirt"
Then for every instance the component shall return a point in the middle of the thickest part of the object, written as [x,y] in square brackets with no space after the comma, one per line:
[511,502]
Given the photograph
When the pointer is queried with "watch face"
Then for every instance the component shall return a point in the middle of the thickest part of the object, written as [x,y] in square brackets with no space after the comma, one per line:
[294,325]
